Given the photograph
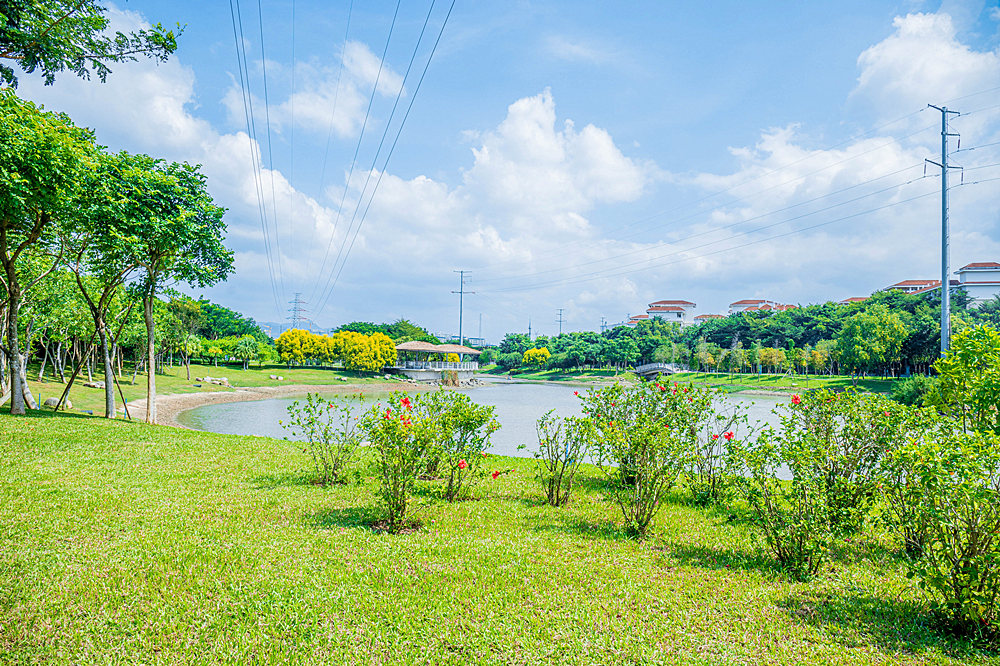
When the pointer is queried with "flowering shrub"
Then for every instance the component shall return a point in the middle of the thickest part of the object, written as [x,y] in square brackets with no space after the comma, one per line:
[639,437]
[330,431]
[401,434]
[562,446]
[462,431]
[713,427]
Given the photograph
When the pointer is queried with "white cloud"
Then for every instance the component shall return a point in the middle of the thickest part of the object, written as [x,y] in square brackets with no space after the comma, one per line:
[565,48]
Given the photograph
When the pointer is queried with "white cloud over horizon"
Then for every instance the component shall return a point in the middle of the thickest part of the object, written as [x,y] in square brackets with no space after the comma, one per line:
[536,203]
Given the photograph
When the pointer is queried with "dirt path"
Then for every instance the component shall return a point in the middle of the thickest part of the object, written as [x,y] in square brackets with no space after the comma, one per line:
[168,407]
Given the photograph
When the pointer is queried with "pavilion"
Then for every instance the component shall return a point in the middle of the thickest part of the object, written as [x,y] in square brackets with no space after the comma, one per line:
[415,360]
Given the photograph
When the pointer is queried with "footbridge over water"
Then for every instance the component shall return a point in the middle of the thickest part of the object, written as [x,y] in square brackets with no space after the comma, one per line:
[651,370]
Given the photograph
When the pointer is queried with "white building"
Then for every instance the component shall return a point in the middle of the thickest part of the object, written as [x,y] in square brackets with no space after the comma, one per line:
[980,280]
[676,311]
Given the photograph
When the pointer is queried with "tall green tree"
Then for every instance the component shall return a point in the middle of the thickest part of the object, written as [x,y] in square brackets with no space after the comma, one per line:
[175,232]
[50,36]
[43,157]
[873,337]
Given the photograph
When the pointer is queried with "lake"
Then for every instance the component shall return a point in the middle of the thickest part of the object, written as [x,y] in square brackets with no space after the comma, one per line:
[518,406]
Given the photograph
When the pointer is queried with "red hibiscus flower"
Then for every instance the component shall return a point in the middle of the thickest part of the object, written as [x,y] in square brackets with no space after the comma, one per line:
[715,437]
[576,393]
[405,402]
[495,474]
[729,435]
[796,400]
[462,464]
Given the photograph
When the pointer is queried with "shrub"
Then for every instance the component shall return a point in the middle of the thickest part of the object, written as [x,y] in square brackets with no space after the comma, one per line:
[330,432]
[461,432]
[969,379]
[902,491]
[401,434]
[562,446]
[792,514]
[851,432]
[913,391]
[959,479]
[714,426]
[638,438]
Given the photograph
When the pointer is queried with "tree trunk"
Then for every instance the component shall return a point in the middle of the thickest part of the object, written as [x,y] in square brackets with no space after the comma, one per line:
[14,359]
[147,313]
[45,360]
[109,370]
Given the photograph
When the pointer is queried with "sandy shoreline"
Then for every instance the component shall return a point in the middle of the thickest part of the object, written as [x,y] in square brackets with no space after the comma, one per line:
[168,407]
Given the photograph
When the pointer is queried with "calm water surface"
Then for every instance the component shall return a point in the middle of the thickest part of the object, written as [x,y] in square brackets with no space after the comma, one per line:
[518,406]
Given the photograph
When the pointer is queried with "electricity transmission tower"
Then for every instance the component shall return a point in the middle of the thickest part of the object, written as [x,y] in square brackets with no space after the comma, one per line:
[298,311]
[560,320]
[945,235]
[461,298]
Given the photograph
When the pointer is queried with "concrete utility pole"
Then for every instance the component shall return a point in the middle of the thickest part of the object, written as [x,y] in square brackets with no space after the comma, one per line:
[560,320]
[529,328]
[945,236]
[461,297]
[604,324]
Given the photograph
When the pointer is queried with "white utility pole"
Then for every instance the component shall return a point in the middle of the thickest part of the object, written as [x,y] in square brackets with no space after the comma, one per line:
[945,235]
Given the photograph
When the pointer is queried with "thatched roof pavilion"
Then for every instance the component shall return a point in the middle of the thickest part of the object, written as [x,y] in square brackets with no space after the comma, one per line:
[428,348]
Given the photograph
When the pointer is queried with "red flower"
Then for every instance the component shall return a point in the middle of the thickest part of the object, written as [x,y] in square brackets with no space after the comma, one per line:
[729,435]
[796,399]
[495,474]
[887,413]
[462,464]
[715,437]
[612,404]
[485,454]
[388,413]
[576,393]
[405,402]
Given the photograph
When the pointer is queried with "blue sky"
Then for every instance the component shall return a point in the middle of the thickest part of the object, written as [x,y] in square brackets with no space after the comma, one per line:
[586,156]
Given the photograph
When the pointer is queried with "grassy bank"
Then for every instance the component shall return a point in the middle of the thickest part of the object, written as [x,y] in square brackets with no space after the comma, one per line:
[174,380]
[126,543]
[787,383]
[558,375]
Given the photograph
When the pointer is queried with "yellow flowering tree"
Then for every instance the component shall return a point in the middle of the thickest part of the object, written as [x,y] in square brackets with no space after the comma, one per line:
[536,358]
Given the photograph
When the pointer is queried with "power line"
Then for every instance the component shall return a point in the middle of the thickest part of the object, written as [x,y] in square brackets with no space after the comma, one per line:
[336,95]
[619,256]
[357,149]
[270,152]
[726,249]
[721,240]
[252,141]
[381,142]
[392,149]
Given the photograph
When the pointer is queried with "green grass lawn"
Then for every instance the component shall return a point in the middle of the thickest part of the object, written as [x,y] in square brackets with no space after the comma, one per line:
[125,543]
[174,380]
[559,375]
[791,384]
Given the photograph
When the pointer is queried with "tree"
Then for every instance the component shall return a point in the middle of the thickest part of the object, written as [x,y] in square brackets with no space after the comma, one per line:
[246,350]
[536,358]
[42,158]
[188,319]
[175,232]
[51,36]
[969,379]
[872,337]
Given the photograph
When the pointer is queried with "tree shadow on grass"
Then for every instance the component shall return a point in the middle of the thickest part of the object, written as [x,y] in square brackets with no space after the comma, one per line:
[286,479]
[349,517]
[707,557]
[894,626]
[565,523]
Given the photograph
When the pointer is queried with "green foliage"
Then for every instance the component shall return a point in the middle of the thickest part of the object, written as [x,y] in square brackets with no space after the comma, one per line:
[401,433]
[914,391]
[330,430]
[401,330]
[958,478]
[639,439]
[246,349]
[562,447]
[55,35]
[969,379]
[509,361]
[462,431]
[221,322]
[871,338]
